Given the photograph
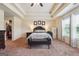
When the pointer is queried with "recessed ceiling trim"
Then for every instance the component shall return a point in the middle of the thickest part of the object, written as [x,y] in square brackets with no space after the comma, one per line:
[53,7]
[19,8]
[12,8]
[56,8]
[61,8]
[67,9]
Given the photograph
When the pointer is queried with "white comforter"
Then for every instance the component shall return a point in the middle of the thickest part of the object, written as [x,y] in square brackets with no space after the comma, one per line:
[39,36]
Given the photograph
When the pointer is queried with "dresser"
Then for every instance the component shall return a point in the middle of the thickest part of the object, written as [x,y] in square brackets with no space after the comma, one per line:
[2,39]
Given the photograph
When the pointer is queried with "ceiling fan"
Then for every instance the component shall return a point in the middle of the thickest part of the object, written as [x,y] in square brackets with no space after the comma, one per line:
[39,4]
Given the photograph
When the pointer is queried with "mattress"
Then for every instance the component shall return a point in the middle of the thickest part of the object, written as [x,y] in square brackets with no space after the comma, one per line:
[39,36]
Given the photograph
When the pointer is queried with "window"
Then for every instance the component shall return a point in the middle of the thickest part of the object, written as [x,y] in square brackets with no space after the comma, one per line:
[66,27]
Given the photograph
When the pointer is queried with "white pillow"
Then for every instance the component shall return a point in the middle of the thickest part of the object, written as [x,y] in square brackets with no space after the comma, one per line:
[39,30]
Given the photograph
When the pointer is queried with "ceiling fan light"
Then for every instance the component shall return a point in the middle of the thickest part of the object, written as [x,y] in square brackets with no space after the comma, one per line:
[32,4]
[41,4]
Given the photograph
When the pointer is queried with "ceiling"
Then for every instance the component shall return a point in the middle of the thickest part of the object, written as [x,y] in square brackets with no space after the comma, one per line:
[36,12]
[7,11]
[36,7]
[47,12]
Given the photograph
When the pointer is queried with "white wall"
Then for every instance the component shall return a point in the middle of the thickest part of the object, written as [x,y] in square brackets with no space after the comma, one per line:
[54,32]
[60,30]
[2,20]
[17,28]
[28,25]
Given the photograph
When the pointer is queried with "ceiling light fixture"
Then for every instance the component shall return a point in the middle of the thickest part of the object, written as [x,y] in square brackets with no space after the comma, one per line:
[39,4]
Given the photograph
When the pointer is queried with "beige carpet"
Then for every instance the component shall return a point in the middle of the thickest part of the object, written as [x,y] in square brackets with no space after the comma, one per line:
[19,47]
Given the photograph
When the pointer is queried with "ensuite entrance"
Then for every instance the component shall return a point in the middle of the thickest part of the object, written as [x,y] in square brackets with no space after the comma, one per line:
[8,26]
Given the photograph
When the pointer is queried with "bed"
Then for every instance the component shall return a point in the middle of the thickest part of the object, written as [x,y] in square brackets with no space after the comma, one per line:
[39,36]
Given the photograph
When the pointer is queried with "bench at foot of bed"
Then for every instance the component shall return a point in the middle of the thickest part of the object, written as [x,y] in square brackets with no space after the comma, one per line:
[45,41]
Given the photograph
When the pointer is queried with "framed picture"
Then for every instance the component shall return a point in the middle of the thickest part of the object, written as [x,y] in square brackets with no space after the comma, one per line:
[39,23]
[43,22]
[35,22]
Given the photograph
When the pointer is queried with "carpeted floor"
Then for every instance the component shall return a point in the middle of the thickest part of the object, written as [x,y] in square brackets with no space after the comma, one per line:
[19,47]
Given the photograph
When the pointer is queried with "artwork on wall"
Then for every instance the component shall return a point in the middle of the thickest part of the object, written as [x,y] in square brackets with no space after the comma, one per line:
[35,23]
[43,22]
[39,22]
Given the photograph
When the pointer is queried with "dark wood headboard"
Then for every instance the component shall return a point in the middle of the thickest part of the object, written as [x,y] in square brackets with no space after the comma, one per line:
[38,28]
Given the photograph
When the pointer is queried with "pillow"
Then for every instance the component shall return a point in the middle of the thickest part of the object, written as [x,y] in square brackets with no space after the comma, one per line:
[39,30]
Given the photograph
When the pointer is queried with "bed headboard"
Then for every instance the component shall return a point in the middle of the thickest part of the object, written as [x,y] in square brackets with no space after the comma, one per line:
[38,28]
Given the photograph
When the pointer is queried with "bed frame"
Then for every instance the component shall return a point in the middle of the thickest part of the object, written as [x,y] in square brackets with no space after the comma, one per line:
[46,41]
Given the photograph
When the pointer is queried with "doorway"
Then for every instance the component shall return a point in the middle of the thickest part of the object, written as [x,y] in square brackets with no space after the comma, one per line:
[9,30]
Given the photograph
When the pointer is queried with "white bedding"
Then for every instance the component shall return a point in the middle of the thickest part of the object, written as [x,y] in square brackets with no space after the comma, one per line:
[39,36]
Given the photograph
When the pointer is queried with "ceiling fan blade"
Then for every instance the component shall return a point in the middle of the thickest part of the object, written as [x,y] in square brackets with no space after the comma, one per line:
[41,4]
[32,4]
